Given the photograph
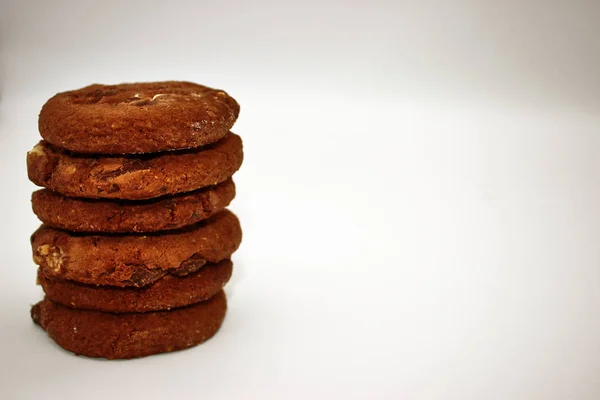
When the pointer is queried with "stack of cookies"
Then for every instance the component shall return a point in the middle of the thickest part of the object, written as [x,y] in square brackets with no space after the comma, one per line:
[136,242]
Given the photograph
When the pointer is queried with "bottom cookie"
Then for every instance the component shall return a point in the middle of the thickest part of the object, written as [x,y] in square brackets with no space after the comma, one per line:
[123,336]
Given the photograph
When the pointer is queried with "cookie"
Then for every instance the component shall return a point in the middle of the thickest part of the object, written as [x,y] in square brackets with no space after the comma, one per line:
[165,213]
[164,294]
[135,259]
[137,117]
[134,177]
[131,335]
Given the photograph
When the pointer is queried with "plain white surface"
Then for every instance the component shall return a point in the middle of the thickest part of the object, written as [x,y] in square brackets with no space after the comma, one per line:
[419,196]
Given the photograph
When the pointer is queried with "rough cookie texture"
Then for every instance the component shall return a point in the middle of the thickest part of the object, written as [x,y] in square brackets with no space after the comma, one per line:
[112,336]
[134,177]
[165,213]
[164,294]
[133,259]
[137,117]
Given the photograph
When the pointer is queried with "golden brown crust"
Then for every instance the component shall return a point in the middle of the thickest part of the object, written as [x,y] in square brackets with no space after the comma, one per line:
[134,177]
[164,294]
[113,216]
[135,260]
[137,117]
[123,336]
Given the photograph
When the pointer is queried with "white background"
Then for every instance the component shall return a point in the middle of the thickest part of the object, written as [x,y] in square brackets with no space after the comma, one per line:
[419,197]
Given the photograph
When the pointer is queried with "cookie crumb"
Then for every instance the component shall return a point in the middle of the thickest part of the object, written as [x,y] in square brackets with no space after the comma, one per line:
[37,151]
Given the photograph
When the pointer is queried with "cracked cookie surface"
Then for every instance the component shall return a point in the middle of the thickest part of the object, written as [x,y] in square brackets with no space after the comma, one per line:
[165,213]
[134,177]
[131,335]
[135,259]
[133,118]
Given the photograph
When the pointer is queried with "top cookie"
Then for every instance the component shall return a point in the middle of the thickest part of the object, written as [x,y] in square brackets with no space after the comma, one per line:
[134,118]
